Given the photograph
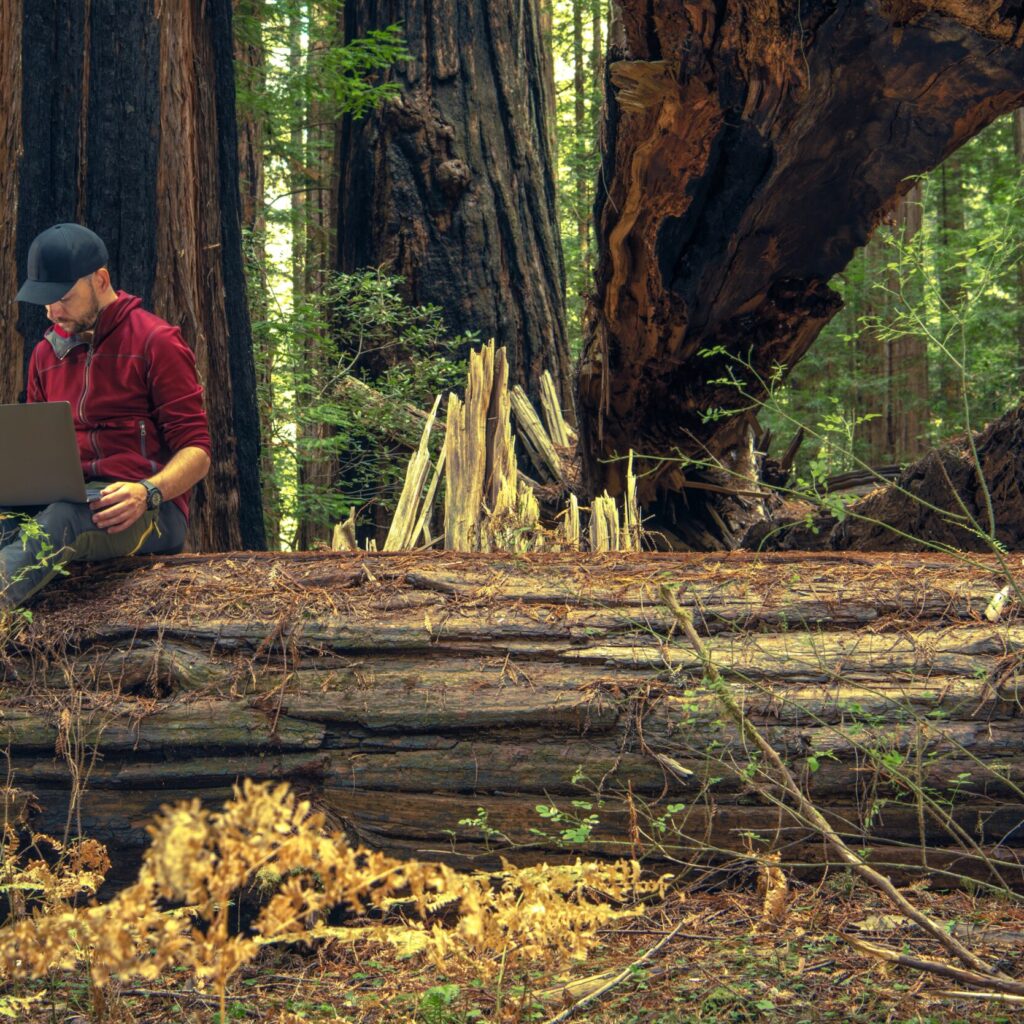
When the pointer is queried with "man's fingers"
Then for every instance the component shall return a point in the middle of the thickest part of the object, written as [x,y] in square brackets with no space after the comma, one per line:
[109,497]
[117,517]
[106,511]
[118,507]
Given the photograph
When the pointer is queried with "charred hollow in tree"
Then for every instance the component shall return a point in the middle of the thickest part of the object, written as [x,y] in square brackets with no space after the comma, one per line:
[750,149]
[405,692]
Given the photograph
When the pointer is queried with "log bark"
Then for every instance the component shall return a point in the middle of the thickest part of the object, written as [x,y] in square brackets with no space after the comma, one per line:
[411,694]
[128,125]
[451,185]
[750,149]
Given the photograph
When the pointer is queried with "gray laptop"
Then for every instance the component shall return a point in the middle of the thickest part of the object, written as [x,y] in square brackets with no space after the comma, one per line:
[39,456]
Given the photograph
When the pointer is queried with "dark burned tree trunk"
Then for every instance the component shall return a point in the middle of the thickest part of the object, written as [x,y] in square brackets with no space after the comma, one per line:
[750,149]
[128,125]
[451,185]
[403,692]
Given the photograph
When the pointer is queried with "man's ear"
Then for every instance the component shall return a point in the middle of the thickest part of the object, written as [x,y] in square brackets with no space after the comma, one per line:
[101,280]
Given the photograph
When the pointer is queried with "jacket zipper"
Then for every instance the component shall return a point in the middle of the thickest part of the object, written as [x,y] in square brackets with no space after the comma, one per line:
[142,444]
[81,402]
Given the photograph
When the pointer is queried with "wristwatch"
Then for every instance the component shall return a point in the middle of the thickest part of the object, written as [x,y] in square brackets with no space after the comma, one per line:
[153,495]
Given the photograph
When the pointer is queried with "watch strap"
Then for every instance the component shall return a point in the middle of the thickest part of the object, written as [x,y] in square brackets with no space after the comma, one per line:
[154,496]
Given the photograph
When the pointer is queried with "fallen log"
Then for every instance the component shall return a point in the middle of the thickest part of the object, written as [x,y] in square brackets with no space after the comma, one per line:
[958,496]
[432,702]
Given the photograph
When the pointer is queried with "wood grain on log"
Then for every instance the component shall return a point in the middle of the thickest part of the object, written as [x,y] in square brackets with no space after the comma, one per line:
[405,692]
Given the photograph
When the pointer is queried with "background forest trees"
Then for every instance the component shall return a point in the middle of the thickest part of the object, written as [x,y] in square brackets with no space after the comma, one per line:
[952,287]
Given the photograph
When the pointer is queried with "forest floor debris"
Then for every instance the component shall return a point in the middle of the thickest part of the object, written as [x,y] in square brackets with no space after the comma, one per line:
[725,964]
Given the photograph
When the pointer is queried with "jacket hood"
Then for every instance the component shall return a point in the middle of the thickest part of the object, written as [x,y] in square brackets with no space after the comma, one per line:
[109,320]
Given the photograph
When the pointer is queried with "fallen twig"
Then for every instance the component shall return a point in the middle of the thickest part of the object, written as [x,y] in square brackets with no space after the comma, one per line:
[1000,997]
[1006,985]
[574,1008]
[183,996]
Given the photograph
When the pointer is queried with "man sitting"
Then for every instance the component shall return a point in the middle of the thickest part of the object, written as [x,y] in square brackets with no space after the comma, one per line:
[138,414]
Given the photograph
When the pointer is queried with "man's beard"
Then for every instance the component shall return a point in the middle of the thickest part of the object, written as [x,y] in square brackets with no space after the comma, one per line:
[88,320]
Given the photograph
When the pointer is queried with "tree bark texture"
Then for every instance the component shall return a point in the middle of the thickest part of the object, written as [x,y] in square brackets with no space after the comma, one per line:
[317,469]
[1018,148]
[908,351]
[250,56]
[750,149]
[451,184]
[128,125]
[894,395]
[10,145]
[408,693]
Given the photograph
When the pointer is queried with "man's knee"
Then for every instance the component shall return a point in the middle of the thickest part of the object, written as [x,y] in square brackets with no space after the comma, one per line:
[63,521]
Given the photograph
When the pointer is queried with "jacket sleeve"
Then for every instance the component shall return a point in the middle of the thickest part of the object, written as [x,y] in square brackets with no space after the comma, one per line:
[34,387]
[175,393]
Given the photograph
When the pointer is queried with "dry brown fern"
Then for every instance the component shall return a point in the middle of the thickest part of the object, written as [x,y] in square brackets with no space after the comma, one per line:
[200,860]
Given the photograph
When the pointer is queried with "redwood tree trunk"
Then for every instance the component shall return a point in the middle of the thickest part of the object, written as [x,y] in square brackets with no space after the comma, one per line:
[317,469]
[250,58]
[1018,147]
[11,362]
[895,368]
[951,236]
[128,126]
[908,352]
[451,185]
[750,150]
[402,692]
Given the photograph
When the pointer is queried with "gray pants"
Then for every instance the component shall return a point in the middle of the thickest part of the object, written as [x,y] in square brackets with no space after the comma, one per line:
[35,544]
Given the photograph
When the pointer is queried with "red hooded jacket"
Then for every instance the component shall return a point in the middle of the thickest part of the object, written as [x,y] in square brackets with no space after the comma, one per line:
[135,397]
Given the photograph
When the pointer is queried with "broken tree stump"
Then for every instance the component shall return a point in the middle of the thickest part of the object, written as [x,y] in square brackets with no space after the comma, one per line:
[431,702]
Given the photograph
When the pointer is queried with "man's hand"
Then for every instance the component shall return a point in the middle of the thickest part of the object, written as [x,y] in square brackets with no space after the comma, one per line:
[119,506]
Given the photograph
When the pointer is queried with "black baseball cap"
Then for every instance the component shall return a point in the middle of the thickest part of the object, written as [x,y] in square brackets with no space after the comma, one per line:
[57,258]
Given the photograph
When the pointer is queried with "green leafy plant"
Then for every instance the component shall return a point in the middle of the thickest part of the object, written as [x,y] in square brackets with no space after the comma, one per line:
[357,329]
